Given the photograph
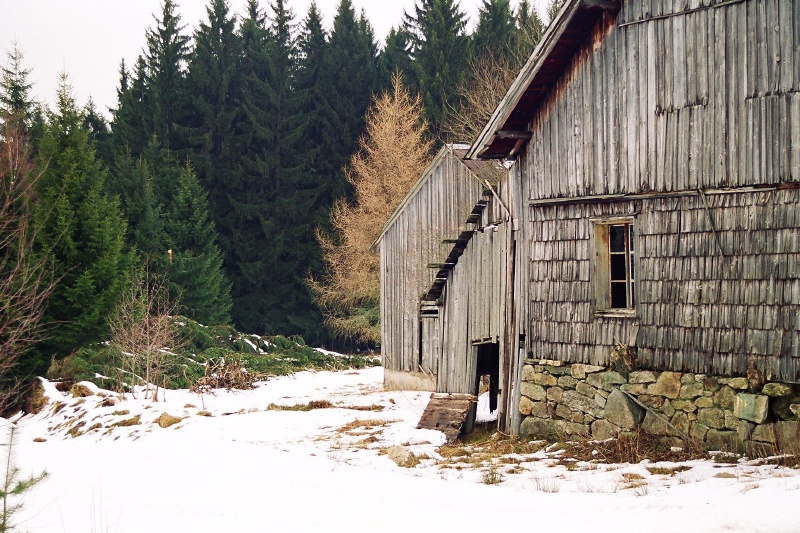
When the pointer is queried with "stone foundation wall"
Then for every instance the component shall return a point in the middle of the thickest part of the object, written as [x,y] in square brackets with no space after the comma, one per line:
[725,413]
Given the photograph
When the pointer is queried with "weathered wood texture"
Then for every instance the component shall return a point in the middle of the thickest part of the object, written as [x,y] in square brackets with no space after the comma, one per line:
[673,96]
[446,413]
[705,99]
[697,310]
[437,210]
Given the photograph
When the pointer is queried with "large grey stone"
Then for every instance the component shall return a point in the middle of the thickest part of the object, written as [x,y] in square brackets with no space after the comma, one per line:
[765,433]
[668,384]
[554,394]
[606,380]
[788,436]
[603,429]
[777,389]
[642,376]
[567,382]
[528,373]
[655,424]
[525,405]
[752,407]
[548,380]
[725,397]
[579,370]
[532,391]
[725,441]
[691,390]
[713,417]
[579,402]
[620,410]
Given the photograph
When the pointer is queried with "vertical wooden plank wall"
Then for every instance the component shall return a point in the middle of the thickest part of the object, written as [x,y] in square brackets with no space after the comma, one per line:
[437,210]
[701,100]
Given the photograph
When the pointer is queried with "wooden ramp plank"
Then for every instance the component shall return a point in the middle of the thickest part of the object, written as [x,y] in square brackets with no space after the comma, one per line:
[446,413]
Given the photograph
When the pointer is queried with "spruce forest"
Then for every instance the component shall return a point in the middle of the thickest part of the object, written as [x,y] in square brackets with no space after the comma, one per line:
[232,168]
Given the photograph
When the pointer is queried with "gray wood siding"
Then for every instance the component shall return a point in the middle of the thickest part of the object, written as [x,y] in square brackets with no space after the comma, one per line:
[711,312]
[704,99]
[697,309]
[438,209]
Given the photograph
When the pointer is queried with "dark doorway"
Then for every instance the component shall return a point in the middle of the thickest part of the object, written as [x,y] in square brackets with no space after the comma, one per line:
[487,373]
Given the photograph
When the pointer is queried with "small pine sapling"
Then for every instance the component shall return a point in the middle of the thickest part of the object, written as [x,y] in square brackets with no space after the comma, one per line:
[14,487]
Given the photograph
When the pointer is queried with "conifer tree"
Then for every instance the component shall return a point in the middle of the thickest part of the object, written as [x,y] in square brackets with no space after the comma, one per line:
[130,122]
[530,29]
[440,53]
[495,31]
[166,55]
[395,58]
[213,83]
[15,88]
[82,231]
[195,275]
[552,9]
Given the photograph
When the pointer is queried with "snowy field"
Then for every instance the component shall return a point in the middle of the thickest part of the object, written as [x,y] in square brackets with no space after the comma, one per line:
[236,462]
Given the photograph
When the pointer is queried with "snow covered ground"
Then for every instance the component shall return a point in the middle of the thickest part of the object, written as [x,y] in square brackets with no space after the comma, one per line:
[237,463]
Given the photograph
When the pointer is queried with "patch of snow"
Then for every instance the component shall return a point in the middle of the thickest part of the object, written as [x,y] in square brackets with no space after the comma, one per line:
[237,463]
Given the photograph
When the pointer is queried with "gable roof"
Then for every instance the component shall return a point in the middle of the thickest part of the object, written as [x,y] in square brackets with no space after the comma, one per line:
[482,170]
[507,129]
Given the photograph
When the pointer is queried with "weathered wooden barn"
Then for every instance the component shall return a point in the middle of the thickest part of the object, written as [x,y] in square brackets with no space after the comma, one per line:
[654,225]
[443,276]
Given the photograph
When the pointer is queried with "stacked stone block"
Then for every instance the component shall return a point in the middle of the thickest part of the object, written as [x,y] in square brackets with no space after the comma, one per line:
[561,400]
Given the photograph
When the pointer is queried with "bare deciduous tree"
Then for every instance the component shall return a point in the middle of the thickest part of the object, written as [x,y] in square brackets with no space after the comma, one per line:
[144,331]
[393,154]
[488,79]
[26,278]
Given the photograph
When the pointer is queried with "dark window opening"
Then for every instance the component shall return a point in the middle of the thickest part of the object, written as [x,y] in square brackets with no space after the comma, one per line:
[621,266]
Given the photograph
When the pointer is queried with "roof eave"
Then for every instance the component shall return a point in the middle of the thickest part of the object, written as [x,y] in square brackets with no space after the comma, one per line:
[497,140]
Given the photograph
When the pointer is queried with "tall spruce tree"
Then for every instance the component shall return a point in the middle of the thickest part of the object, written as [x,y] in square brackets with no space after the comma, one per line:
[395,58]
[15,89]
[351,74]
[440,52]
[495,32]
[195,275]
[213,83]
[166,55]
[250,196]
[82,230]
[530,29]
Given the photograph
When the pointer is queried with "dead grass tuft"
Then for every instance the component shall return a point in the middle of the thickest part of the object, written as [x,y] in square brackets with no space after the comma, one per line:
[310,406]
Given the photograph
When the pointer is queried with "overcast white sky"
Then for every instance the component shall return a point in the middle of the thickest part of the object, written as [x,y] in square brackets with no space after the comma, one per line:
[88,38]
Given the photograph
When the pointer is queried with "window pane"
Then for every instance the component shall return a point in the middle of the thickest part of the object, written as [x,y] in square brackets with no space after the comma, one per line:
[619,294]
[630,240]
[632,270]
[618,271]
[616,238]
[633,296]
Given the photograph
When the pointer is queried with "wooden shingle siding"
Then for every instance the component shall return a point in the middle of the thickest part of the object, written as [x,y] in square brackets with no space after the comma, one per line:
[699,308]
